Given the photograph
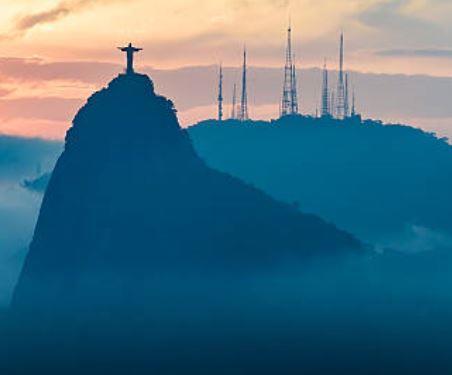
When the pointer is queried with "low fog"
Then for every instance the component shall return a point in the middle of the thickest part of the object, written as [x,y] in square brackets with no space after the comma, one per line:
[20,159]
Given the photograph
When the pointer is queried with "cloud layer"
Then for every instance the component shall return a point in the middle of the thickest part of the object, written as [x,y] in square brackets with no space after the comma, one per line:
[433,52]
[19,159]
[60,10]
[192,32]
[65,49]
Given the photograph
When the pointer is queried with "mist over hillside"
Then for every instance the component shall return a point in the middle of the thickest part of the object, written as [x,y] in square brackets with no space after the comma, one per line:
[20,158]
[388,184]
[366,310]
[260,187]
[338,172]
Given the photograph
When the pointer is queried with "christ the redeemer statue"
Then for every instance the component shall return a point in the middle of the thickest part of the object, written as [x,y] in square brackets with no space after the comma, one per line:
[130,50]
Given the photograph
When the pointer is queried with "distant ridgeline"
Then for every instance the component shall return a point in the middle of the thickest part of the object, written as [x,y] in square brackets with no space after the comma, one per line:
[379,182]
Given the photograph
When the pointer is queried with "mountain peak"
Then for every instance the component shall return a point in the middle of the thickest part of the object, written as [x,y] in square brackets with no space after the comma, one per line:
[134,83]
[128,115]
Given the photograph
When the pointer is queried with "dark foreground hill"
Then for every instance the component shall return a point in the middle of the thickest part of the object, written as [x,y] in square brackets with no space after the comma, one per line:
[190,271]
[130,214]
[388,184]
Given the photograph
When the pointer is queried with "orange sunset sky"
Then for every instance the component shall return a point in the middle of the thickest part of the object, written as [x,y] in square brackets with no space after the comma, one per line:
[54,53]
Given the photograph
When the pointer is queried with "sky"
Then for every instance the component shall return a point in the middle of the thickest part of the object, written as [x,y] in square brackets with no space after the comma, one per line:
[55,53]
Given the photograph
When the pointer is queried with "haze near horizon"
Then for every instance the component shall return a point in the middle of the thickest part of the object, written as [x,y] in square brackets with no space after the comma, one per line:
[56,52]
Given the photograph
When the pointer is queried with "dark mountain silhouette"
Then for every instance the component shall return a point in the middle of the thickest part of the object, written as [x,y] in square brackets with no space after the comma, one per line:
[131,208]
[156,285]
[386,183]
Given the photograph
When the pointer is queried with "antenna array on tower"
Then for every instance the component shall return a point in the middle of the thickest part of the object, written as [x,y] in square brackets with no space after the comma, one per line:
[340,99]
[325,100]
[333,103]
[243,115]
[220,94]
[289,101]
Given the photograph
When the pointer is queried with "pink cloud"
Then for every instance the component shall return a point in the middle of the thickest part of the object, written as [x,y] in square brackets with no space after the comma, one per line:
[49,109]
[34,128]
[35,70]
